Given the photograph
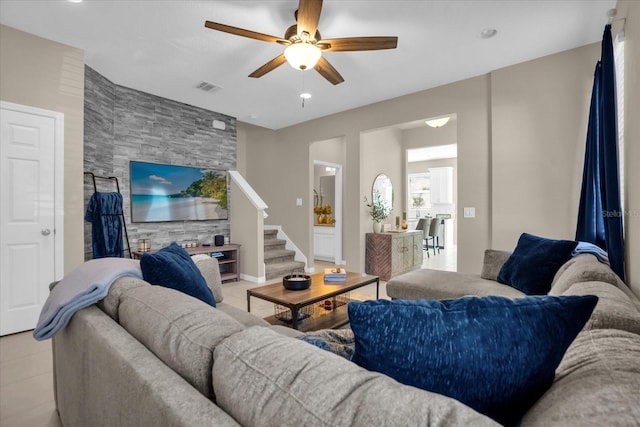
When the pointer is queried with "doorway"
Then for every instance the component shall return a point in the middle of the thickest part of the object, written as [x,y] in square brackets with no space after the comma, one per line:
[432,185]
[327,236]
[31,213]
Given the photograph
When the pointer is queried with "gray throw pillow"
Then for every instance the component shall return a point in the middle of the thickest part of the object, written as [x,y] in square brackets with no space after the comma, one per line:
[493,261]
[210,270]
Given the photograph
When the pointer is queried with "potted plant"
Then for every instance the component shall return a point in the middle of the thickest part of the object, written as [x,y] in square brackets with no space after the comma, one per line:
[418,202]
[378,210]
[318,210]
[327,211]
[324,214]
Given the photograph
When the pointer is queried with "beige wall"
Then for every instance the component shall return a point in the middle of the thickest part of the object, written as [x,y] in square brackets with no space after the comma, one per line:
[49,75]
[540,111]
[426,136]
[330,151]
[276,174]
[241,151]
[247,230]
[631,11]
[381,153]
[521,136]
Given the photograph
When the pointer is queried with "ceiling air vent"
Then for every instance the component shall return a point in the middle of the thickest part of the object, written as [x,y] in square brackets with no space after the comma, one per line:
[207,87]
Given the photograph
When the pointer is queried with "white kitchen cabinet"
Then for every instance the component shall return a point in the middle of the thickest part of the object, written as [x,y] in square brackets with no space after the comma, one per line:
[324,243]
[441,185]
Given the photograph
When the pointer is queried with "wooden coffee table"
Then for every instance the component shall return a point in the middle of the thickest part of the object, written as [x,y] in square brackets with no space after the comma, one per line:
[297,301]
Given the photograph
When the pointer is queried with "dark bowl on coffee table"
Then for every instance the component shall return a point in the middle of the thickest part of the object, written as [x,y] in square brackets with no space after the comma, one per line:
[296,282]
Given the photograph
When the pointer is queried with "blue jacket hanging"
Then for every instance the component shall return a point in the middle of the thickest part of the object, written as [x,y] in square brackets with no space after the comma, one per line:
[104,211]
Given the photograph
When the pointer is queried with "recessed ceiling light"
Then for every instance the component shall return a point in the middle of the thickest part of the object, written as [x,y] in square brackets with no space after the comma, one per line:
[74,1]
[305,95]
[487,33]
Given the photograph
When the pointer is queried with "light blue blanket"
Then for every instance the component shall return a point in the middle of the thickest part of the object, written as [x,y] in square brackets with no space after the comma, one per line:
[81,288]
[590,248]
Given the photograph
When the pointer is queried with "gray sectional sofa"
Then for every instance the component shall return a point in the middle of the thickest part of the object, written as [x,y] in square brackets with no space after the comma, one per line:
[598,380]
[151,356]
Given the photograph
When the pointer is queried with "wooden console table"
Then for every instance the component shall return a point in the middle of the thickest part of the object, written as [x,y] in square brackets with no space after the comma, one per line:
[390,254]
[229,262]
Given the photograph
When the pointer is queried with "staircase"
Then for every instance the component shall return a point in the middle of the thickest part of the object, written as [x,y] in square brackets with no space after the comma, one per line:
[278,261]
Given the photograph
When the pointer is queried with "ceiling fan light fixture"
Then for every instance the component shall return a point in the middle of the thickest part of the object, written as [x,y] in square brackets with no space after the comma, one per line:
[437,123]
[302,56]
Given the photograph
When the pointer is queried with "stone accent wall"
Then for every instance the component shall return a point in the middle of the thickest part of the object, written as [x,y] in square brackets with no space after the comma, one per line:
[122,124]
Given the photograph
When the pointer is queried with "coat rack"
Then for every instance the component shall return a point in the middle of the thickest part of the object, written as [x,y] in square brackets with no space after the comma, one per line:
[95,190]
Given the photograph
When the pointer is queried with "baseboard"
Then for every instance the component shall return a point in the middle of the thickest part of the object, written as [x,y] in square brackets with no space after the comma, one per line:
[253,279]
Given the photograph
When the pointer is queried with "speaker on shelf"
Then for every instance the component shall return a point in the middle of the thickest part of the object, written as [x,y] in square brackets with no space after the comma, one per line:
[218,240]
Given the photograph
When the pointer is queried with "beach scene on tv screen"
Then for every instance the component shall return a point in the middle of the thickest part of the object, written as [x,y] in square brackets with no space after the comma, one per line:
[162,192]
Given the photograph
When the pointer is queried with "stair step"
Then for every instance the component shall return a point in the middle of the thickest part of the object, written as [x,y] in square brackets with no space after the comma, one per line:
[274,271]
[273,243]
[279,261]
[277,256]
[270,234]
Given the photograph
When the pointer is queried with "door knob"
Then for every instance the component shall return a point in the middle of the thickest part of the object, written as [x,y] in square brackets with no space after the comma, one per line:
[46,232]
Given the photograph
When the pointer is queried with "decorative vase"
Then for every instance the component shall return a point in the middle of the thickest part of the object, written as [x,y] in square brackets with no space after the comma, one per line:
[377,227]
[320,219]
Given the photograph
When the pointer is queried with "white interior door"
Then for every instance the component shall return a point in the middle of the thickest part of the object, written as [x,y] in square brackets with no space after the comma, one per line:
[27,213]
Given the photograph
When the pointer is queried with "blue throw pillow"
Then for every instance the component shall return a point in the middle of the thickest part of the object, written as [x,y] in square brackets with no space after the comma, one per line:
[534,262]
[172,267]
[494,354]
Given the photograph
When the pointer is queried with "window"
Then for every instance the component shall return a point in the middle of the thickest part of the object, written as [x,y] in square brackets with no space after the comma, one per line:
[618,56]
[419,194]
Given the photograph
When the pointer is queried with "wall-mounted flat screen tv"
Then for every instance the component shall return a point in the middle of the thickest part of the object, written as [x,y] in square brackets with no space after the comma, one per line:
[162,192]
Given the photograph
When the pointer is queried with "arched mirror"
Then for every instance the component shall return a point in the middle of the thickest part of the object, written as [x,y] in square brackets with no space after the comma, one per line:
[382,184]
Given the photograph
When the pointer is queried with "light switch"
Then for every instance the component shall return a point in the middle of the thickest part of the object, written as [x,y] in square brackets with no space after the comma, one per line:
[298,201]
[469,212]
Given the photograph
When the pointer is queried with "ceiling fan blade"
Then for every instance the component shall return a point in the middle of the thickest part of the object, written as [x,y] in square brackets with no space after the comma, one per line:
[358,43]
[308,16]
[269,66]
[327,71]
[244,33]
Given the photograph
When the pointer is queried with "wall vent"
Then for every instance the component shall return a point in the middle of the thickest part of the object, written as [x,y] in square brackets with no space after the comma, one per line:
[207,86]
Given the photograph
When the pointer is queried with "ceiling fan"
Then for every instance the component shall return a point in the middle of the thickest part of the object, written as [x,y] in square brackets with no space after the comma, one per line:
[304,45]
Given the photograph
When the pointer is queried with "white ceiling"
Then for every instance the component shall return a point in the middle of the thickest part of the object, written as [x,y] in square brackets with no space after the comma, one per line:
[163,48]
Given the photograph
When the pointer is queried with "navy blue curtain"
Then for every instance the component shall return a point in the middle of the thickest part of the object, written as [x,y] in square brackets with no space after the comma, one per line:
[600,214]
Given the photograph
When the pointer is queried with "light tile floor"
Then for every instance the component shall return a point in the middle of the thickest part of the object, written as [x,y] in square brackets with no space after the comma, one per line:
[446,259]
[26,382]
[26,371]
